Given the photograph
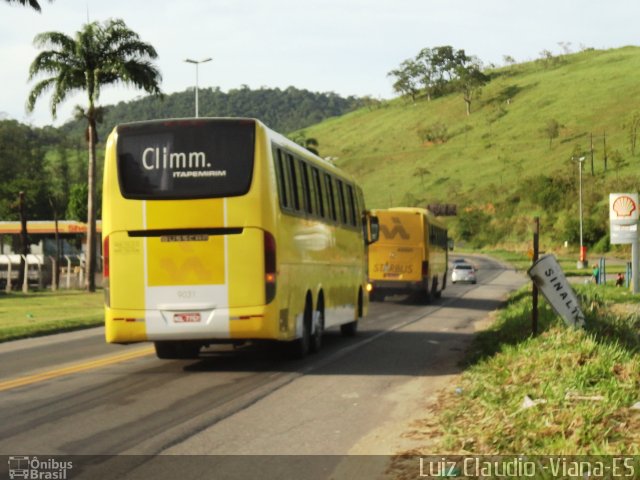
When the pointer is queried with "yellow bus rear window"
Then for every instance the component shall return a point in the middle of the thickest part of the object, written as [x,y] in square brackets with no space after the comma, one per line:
[185,158]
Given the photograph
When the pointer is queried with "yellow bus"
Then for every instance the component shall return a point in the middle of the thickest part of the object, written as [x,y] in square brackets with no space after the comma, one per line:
[221,230]
[410,256]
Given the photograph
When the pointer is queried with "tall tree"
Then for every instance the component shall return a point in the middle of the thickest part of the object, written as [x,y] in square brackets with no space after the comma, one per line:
[406,79]
[427,74]
[98,55]
[470,78]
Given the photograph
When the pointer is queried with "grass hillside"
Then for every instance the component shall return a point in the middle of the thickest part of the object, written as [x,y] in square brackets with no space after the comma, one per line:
[498,164]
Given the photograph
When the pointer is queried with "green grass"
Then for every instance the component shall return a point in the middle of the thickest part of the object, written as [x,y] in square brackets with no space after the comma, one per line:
[586,381]
[33,314]
[491,155]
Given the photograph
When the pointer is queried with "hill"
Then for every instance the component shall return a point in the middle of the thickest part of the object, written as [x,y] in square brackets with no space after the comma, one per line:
[503,164]
[283,110]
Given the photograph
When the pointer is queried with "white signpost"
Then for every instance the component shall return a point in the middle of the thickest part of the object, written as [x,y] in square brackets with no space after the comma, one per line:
[549,277]
[623,221]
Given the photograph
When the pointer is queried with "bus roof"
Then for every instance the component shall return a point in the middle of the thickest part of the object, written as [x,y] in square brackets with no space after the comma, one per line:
[431,218]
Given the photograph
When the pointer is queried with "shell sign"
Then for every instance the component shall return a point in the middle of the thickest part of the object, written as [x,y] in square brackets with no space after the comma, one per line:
[623,208]
[623,217]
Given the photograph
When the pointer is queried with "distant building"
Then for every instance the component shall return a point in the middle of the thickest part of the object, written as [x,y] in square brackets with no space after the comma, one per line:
[42,251]
[42,237]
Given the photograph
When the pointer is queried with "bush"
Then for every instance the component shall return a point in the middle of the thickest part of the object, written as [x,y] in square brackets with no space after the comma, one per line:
[436,133]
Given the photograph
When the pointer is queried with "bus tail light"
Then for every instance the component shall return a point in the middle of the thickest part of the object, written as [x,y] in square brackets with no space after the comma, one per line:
[270,272]
[105,271]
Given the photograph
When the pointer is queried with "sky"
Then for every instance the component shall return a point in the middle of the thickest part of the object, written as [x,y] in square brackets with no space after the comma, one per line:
[341,46]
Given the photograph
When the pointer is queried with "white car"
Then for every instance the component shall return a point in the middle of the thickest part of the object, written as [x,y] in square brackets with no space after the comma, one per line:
[463,272]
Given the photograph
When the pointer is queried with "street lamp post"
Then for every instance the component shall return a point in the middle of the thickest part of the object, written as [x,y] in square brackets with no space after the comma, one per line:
[196,63]
[582,263]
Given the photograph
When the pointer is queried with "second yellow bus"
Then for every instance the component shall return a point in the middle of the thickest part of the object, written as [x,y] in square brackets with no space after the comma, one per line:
[410,256]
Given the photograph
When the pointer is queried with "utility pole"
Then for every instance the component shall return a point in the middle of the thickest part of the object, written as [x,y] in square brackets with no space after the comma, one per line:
[197,64]
[604,147]
[582,263]
[534,298]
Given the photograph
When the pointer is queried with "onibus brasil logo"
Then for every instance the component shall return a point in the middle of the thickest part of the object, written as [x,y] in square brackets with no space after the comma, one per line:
[33,468]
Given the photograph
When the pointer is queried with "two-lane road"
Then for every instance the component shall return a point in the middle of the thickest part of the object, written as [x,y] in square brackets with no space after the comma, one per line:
[71,394]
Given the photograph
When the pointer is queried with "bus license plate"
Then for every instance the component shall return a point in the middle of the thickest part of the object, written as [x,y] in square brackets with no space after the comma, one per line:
[186,317]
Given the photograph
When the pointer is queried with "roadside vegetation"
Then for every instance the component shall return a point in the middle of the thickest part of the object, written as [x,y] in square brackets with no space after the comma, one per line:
[42,313]
[565,391]
[515,156]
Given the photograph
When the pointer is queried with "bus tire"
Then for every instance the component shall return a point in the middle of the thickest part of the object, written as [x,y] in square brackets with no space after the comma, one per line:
[435,292]
[421,296]
[177,350]
[350,329]
[424,297]
[318,327]
[300,347]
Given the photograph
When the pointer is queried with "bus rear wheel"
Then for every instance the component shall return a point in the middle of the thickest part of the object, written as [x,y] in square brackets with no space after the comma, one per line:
[350,329]
[318,331]
[435,291]
[171,350]
[300,347]
[422,296]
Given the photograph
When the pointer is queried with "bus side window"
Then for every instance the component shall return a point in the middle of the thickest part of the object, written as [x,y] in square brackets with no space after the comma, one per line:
[330,197]
[309,189]
[342,209]
[282,179]
[360,205]
[351,202]
[321,197]
[295,183]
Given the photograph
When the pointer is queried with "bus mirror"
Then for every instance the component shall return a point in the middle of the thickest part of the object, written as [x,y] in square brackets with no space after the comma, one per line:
[374,230]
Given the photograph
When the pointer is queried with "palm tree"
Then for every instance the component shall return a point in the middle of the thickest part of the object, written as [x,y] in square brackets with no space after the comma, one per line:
[32,3]
[98,55]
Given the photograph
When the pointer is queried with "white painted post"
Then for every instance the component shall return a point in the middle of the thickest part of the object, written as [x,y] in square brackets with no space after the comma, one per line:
[25,280]
[82,267]
[54,269]
[68,271]
[8,285]
[40,265]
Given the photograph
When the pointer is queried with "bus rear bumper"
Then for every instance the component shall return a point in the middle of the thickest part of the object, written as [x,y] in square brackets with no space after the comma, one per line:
[249,323]
[397,288]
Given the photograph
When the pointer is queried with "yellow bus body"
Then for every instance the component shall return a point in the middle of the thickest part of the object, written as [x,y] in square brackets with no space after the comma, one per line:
[410,256]
[194,269]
